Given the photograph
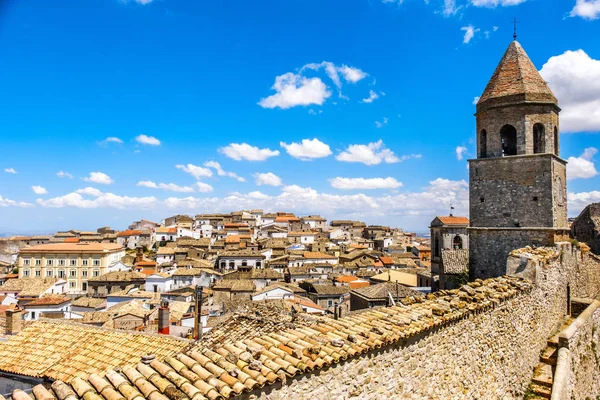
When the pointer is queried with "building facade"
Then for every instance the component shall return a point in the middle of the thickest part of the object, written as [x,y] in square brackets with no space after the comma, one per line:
[517,194]
[73,262]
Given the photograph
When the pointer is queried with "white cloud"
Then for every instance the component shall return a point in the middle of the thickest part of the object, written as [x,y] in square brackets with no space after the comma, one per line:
[4,202]
[496,3]
[372,96]
[475,100]
[381,124]
[222,172]
[371,154]
[582,167]
[574,77]
[423,205]
[269,179]
[243,151]
[63,174]
[587,9]
[460,152]
[99,177]
[90,191]
[364,183]
[149,140]
[296,90]
[111,139]
[10,170]
[578,201]
[308,149]
[352,74]
[100,200]
[194,170]
[39,190]
[204,187]
[171,187]
[470,31]
[142,2]
[450,8]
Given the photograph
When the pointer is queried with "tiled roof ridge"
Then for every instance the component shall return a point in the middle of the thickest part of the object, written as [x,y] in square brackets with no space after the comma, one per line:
[249,364]
[103,328]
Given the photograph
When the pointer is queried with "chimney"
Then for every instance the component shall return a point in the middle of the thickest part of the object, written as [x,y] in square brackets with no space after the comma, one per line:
[139,257]
[164,317]
[13,320]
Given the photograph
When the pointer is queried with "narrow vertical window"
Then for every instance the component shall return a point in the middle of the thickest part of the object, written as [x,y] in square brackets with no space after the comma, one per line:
[556,145]
[539,140]
[508,136]
[483,144]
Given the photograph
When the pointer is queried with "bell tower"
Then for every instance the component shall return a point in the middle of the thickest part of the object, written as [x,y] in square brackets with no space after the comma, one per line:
[517,183]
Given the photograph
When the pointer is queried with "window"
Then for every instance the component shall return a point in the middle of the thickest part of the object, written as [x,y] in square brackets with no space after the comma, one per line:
[49,273]
[61,262]
[329,303]
[26,261]
[49,262]
[61,273]
[155,287]
[38,261]
[560,192]
[258,264]
[96,263]
[231,264]
[436,245]
[72,284]
[84,263]
[539,139]
[508,136]
[244,263]
[457,243]
[73,263]
[33,315]
[73,273]
[483,144]
[84,273]
[223,264]
[96,273]
[38,272]
[556,145]
[84,286]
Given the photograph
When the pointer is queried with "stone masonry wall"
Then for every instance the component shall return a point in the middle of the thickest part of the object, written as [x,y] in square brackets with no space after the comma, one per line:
[517,191]
[522,118]
[487,356]
[578,379]
[489,248]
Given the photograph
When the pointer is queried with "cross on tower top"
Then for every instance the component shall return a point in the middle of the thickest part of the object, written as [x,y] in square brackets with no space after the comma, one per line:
[515,28]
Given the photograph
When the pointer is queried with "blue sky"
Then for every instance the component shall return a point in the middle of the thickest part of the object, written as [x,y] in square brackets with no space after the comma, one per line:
[385,87]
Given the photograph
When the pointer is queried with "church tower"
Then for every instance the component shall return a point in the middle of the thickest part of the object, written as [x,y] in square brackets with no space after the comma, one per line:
[518,181]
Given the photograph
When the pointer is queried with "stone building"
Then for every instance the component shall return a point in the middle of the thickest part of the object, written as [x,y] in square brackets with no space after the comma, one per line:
[447,233]
[586,227]
[517,193]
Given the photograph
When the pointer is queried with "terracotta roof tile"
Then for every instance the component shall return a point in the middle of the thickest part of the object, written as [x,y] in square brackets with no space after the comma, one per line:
[515,80]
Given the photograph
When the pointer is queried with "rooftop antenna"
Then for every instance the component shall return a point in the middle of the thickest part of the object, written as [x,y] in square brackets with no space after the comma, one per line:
[515,28]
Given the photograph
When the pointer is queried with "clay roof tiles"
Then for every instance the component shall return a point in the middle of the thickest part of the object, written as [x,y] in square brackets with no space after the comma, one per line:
[515,80]
[61,350]
[250,351]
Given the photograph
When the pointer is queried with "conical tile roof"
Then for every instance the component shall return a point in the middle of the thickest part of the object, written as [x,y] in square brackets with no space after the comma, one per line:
[515,80]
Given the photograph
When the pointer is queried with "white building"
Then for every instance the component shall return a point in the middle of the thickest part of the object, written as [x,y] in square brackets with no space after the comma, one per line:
[195,276]
[73,262]
[234,260]
[274,292]
[159,282]
[133,239]
[54,306]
